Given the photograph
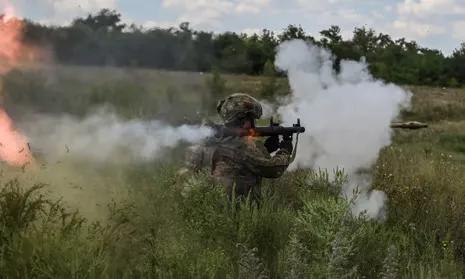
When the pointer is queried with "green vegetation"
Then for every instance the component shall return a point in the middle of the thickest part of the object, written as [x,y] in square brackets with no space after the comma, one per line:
[102,39]
[165,225]
[185,228]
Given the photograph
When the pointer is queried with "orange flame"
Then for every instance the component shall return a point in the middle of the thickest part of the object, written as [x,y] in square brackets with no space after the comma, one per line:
[14,148]
[10,31]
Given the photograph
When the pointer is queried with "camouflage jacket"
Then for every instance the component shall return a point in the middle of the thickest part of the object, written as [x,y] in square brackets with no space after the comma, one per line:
[238,163]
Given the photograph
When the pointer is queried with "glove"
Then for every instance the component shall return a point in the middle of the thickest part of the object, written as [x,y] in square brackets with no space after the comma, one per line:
[272,144]
[286,144]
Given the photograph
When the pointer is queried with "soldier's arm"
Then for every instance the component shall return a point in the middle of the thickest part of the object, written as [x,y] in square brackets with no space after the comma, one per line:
[259,161]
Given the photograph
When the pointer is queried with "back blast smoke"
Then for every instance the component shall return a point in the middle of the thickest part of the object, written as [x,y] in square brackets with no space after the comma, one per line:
[104,137]
[347,114]
[89,161]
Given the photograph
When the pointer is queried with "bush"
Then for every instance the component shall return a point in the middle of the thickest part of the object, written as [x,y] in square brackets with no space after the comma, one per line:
[19,208]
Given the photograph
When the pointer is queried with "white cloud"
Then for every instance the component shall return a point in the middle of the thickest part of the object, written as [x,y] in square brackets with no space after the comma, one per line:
[251,6]
[415,30]
[195,5]
[459,30]
[201,13]
[208,13]
[250,31]
[413,19]
[64,11]
[347,14]
[422,20]
[426,8]
[315,5]
[352,16]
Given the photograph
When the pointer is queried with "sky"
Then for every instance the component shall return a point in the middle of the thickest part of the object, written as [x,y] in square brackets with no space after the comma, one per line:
[438,24]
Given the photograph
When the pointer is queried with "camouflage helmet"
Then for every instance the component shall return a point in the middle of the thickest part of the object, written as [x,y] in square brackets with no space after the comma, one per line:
[237,106]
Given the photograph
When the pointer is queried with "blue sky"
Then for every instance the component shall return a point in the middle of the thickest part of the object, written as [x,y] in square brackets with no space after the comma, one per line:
[436,24]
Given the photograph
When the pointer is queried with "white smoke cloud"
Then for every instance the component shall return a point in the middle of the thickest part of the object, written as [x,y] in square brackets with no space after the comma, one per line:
[103,137]
[64,11]
[268,109]
[347,116]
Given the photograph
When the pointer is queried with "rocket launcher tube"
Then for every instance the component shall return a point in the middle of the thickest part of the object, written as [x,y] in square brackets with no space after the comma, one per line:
[272,130]
[222,131]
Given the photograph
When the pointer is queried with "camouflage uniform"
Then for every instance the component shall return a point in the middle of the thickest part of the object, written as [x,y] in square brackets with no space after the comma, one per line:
[238,163]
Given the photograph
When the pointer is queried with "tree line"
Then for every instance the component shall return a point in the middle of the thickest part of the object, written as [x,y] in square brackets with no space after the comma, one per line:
[103,39]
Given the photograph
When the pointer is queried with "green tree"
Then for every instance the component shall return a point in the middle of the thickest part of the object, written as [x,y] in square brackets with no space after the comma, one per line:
[294,32]
[457,64]
[331,36]
[231,53]
[108,20]
[365,41]
[102,39]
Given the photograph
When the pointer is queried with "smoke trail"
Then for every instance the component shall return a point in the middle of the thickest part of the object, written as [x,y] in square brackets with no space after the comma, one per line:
[347,115]
[103,136]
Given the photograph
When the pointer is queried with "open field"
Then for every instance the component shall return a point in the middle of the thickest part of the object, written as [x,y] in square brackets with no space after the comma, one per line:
[142,220]
[133,92]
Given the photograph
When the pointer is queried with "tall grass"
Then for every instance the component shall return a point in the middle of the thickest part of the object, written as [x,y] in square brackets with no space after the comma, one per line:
[173,226]
[186,227]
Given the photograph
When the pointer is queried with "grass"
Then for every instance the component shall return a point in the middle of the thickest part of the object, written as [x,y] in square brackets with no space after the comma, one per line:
[154,223]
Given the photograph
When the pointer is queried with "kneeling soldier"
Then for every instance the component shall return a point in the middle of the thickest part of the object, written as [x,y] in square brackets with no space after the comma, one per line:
[240,163]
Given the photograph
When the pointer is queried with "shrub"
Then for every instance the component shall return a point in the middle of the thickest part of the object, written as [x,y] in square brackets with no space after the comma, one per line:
[19,208]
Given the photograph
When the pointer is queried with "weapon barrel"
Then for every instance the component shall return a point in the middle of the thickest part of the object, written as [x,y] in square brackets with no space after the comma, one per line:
[221,131]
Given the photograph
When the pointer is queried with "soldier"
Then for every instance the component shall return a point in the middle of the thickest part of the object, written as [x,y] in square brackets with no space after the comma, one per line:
[240,163]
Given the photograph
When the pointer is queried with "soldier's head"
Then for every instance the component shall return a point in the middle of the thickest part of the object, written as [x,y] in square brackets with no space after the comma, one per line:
[239,110]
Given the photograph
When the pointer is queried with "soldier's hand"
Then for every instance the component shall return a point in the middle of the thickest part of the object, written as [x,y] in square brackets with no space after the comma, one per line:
[286,144]
[272,144]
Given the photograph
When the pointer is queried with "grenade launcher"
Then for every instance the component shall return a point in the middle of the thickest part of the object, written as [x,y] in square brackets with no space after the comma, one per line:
[274,129]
